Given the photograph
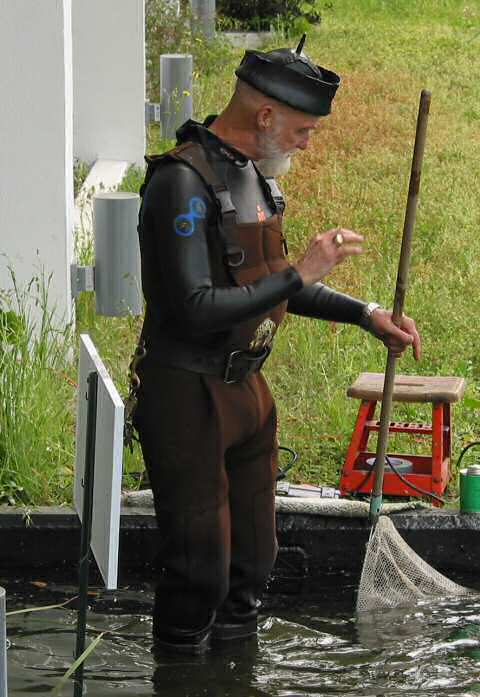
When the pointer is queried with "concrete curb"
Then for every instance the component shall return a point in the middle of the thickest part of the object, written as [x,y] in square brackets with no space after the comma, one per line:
[313,548]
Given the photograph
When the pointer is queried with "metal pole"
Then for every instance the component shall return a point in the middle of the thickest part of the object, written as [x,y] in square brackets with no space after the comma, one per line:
[87,512]
[203,15]
[175,91]
[400,291]
[3,646]
[117,254]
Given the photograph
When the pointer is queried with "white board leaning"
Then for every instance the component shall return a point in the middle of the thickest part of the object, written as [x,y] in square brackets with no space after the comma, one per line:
[108,461]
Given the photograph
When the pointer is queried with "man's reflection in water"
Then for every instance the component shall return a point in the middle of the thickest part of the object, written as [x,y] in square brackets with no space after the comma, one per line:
[227,669]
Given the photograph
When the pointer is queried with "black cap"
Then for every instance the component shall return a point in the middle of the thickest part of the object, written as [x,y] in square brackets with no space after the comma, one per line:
[289,76]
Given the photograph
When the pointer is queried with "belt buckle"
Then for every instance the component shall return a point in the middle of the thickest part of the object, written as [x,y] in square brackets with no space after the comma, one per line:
[256,363]
[229,366]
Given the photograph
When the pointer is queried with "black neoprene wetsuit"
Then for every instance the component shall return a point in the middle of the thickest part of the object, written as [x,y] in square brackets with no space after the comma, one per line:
[181,297]
[209,444]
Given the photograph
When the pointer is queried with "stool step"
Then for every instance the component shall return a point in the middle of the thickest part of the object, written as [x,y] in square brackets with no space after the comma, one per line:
[401,427]
[409,388]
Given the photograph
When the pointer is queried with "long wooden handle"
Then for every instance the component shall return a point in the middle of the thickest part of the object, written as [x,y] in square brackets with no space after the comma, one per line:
[399,300]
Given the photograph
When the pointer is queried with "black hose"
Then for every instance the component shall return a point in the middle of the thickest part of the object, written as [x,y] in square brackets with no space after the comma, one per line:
[423,492]
[466,448]
[283,473]
[413,486]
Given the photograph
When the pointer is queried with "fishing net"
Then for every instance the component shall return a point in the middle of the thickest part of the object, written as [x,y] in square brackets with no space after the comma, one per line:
[393,574]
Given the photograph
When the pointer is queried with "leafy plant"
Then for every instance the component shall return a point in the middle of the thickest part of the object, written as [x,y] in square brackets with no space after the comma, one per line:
[169,31]
[80,173]
[293,16]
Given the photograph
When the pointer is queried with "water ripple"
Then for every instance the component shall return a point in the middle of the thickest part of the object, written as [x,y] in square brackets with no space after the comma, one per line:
[430,650]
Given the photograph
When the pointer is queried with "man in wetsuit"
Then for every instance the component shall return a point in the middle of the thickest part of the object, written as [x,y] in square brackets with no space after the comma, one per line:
[217,285]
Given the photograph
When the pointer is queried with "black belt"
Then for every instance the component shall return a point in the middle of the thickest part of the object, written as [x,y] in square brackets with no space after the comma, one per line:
[232,367]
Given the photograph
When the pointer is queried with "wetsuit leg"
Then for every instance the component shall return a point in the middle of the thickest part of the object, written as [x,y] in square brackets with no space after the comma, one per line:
[251,468]
[186,423]
[182,450]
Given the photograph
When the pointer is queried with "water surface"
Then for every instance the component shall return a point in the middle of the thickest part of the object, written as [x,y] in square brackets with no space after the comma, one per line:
[305,647]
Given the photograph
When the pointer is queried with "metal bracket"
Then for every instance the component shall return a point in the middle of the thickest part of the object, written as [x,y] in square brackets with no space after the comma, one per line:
[152,112]
[82,278]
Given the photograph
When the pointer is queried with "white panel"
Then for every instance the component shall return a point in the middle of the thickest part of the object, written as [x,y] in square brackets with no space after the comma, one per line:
[36,182]
[108,461]
[109,80]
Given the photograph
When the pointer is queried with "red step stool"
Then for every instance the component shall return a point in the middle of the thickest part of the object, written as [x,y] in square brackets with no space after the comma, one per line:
[430,473]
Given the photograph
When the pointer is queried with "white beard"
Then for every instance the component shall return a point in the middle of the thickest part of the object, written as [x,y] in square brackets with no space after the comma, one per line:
[275,162]
[274,166]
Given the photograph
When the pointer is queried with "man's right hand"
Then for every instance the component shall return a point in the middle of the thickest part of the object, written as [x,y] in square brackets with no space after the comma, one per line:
[324,252]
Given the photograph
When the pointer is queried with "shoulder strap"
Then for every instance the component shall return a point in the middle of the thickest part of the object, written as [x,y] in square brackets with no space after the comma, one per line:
[194,155]
[276,195]
[271,191]
[152,163]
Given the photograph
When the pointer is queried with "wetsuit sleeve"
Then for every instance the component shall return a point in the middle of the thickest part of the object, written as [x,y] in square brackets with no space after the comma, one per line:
[176,214]
[321,302]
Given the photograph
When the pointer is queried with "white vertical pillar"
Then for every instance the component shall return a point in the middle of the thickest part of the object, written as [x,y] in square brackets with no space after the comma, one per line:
[3,646]
[109,80]
[36,182]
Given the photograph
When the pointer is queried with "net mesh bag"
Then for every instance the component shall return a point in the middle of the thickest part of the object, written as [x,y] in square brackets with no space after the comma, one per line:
[393,574]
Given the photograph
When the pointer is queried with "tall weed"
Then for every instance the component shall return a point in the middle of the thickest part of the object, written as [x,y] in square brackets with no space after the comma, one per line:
[37,405]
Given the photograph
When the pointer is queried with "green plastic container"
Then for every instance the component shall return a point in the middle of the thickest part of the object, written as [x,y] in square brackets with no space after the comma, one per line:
[470,489]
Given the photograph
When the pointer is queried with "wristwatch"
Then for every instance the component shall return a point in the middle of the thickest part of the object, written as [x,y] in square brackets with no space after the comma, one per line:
[366,318]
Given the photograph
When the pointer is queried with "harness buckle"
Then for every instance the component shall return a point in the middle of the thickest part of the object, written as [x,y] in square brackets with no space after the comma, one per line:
[241,364]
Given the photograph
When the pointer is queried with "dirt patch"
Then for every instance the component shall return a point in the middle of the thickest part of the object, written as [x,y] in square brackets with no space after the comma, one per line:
[371,112]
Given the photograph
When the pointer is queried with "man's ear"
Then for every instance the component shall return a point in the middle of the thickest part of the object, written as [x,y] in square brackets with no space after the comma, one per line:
[265,117]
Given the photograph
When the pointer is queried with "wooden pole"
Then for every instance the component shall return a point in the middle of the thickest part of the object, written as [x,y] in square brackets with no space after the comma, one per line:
[398,303]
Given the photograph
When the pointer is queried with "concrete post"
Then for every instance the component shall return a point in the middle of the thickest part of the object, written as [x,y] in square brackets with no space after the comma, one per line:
[36,148]
[3,646]
[203,12]
[175,91]
[117,256]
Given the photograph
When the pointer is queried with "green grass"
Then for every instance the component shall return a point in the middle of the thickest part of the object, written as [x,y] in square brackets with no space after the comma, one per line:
[355,174]
[37,425]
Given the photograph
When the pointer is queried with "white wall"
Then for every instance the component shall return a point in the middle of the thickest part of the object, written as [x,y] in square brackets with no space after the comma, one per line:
[109,80]
[36,143]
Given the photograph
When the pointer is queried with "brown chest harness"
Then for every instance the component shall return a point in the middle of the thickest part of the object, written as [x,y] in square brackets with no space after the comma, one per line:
[250,251]
[246,252]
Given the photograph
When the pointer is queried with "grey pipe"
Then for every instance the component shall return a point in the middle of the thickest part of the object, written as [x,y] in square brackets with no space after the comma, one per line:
[3,645]
[175,91]
[203,18]
[117,254]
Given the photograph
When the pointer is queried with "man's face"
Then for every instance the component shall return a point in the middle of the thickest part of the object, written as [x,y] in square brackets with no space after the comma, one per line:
[293,130]
[287,132]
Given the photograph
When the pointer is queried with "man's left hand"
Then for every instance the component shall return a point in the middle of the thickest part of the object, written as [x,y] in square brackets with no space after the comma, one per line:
[396,339]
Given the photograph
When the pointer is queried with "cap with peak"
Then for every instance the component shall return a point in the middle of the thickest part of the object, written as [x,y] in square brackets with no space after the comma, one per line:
[289,76]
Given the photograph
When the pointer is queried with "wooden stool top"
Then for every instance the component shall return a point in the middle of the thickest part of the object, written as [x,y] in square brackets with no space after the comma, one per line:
[409,388]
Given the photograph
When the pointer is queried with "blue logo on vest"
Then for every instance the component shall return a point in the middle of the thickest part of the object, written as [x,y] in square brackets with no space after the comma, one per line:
[185,222]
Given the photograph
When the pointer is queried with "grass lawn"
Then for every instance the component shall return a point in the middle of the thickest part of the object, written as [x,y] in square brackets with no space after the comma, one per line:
[356,174]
